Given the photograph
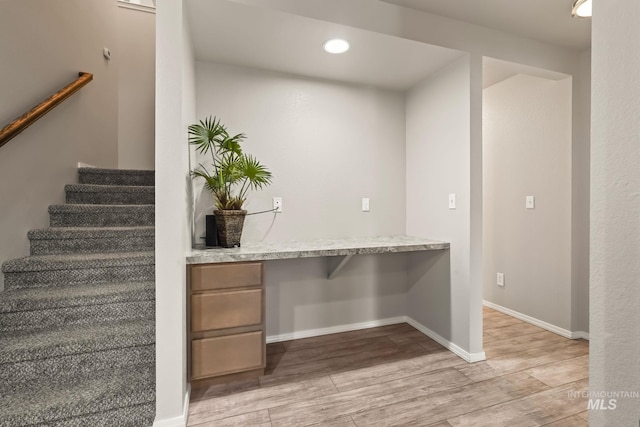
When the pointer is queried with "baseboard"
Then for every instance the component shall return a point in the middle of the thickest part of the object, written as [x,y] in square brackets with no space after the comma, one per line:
[335,329]
[84,165]
[180,420]
[469,357]
[537,322]
[580,335]
[454,348]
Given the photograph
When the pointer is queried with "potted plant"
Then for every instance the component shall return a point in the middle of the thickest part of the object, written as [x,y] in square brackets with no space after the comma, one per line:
[233,173]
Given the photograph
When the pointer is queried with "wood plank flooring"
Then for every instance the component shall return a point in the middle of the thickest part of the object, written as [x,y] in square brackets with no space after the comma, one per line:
[396,376]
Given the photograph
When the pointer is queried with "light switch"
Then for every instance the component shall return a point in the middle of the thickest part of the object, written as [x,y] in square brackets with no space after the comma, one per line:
[365,204]
[452,201]
[530,202]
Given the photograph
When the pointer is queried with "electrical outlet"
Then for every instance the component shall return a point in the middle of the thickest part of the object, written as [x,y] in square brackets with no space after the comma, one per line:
[452,201]
[500,279]
[365,204]
[277,204]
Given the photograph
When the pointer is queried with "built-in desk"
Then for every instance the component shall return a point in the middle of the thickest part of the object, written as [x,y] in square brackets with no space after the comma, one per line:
[315,248]
[226,297]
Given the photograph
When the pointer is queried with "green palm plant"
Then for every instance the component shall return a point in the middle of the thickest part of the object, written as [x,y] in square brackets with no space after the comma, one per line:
[234,173]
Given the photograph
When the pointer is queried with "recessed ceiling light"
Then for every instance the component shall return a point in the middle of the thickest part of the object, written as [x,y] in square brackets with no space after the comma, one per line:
[336,46]
[581,9]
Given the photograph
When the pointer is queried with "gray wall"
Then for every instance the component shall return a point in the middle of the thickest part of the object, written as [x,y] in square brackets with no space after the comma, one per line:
[175,110]
[327,144]
[580,185]
[43,45]
[299,297]
[136,52]
[527,151]
[438,160]
[615,209]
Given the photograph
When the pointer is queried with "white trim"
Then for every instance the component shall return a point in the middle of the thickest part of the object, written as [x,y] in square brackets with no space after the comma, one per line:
[335,329]
[180,420]
[537,322]
[454,348]
[139,7]
[469,357]
[84,165]
[580,335]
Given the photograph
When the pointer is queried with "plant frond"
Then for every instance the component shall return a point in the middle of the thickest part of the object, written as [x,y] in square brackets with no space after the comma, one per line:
[230,169]
[211,182]
[257,175]
[207,134]
[232,143]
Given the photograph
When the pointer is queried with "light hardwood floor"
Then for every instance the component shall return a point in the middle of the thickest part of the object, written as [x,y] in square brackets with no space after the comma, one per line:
[396,376]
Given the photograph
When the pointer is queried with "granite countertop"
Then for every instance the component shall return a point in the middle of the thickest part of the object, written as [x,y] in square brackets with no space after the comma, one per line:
[315,248]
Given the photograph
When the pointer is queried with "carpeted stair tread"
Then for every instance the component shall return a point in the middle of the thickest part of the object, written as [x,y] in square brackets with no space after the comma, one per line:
[42,402]
[30,299]
[109,194]
[101,176]
[129,416]
[97,209]
[51,233]
[94,188]
[22,346]
[69,240]
[54,368]
[77,261]
[92,215]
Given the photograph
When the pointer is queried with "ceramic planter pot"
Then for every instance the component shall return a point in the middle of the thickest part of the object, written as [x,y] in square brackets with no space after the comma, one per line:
[229,225]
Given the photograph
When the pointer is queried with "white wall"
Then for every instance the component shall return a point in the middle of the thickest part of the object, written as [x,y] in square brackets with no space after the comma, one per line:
[527,151]
[480,41]
[44,45]
[327,144]
[615,209]
[438,158]
[299,297]
[136,51]
[580,185]
[175,109]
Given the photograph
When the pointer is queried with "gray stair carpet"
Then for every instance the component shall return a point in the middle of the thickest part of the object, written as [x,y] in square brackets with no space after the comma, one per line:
[77,316]
[73,215]
[68,240]
[110,194]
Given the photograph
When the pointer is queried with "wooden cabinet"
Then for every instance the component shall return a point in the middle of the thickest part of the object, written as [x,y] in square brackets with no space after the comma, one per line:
[225,322]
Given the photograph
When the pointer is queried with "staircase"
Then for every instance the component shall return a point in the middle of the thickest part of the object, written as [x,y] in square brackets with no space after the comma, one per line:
[77,317]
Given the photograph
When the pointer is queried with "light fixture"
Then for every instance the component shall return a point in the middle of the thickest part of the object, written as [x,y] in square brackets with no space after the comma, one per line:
[581,9]
[336,46]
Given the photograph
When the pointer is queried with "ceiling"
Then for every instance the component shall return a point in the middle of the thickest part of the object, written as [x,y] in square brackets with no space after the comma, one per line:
[495,70]
[282,42]
[548,21]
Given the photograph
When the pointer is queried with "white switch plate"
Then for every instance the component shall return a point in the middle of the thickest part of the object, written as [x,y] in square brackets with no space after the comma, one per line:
[452,201]
[365,204]
[530,202]
[500,279]
[277,204]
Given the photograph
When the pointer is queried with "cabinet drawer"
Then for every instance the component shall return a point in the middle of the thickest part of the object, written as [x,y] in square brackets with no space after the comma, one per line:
[223,276]
[227,309]
[226,355]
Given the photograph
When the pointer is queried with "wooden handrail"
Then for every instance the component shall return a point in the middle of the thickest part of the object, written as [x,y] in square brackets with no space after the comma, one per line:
[27,119]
